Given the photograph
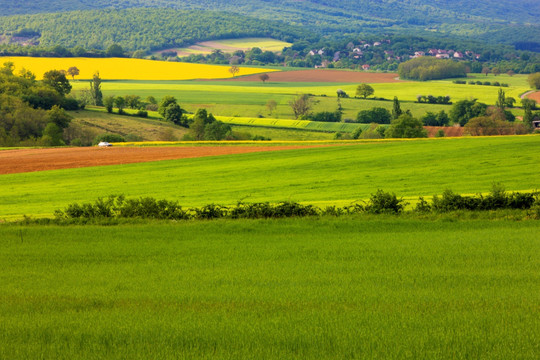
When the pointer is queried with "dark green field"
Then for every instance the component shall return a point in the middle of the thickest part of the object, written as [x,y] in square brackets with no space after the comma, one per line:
[320,288]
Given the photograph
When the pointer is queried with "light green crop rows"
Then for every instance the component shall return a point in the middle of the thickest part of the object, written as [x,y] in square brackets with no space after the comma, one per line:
[295,124]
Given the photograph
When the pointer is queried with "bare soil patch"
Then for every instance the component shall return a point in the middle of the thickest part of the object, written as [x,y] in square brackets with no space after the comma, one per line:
[449,131]
[29,160]
[324,75]
[534,96]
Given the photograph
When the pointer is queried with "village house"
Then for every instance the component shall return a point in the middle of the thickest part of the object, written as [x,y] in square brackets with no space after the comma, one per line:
[442,56]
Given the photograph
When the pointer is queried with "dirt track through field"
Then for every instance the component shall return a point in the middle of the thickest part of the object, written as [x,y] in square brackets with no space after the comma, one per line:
[28,160]
[323,75]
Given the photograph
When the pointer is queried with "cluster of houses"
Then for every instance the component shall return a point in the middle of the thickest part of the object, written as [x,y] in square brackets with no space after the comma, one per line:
[446,54]
[357,52]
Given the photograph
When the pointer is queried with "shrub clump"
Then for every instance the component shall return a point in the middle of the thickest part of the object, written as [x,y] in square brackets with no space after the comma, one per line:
[120,207]
[381,202]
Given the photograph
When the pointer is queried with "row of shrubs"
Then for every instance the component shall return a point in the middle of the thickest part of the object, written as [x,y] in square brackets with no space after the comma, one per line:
[380,202]
[478,82]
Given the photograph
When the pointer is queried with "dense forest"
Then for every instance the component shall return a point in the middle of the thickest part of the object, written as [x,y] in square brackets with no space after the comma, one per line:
[427,11]
[145,29]
[495,21]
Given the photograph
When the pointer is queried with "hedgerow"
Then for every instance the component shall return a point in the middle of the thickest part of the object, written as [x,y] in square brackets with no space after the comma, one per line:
[381,202]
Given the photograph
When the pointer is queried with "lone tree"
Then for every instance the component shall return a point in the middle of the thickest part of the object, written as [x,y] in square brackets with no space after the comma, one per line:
[301,105]
[73,71]
[108,102]
[264,77]
[175,114]
[485,70]
[234,70]
[396,109]
[364,90]
[58,81]
[115,50]
[95,90]
[534,80]
[164,103]
[405,126]
[501,100]
[120,103]
[271,106]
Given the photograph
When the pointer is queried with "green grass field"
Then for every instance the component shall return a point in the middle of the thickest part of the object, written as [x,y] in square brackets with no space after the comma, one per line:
[321,288]
[249,99]
[326,175]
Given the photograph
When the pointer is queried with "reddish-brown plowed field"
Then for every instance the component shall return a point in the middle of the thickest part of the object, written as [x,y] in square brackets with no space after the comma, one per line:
[323,75]
[27,160]
[534,96]
[449,131]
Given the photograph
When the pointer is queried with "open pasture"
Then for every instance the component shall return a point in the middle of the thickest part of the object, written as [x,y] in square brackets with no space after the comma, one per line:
[326,175]
[230,45]
[127,69]
[379,287]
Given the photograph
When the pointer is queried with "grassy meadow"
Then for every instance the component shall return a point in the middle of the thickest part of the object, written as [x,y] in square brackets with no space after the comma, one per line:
[377,288]
[147,129]
[325,175]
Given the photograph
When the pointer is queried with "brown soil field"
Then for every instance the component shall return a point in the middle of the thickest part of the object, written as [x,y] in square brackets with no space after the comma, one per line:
[28,160]
[324,75]
[534,96]
[449,131]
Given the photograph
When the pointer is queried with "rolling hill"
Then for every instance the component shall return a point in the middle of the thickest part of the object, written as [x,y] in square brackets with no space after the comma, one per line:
[305,12]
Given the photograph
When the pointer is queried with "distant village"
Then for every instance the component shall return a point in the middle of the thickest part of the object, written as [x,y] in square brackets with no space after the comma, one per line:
[357,53]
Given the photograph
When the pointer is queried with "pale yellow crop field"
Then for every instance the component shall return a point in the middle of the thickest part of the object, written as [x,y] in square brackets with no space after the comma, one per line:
[231,45]
[128,69]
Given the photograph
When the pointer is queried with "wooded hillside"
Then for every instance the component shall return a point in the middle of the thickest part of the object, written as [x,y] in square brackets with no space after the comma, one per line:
[143,28]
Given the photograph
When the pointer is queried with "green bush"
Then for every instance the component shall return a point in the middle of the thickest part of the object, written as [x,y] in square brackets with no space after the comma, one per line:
[142,113]
[108,138]
[382,203]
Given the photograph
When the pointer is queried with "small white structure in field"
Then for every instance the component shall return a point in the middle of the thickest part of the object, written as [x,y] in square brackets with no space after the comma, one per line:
[104,144]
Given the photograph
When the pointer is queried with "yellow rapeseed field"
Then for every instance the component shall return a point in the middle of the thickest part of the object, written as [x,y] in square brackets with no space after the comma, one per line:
[127,69]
